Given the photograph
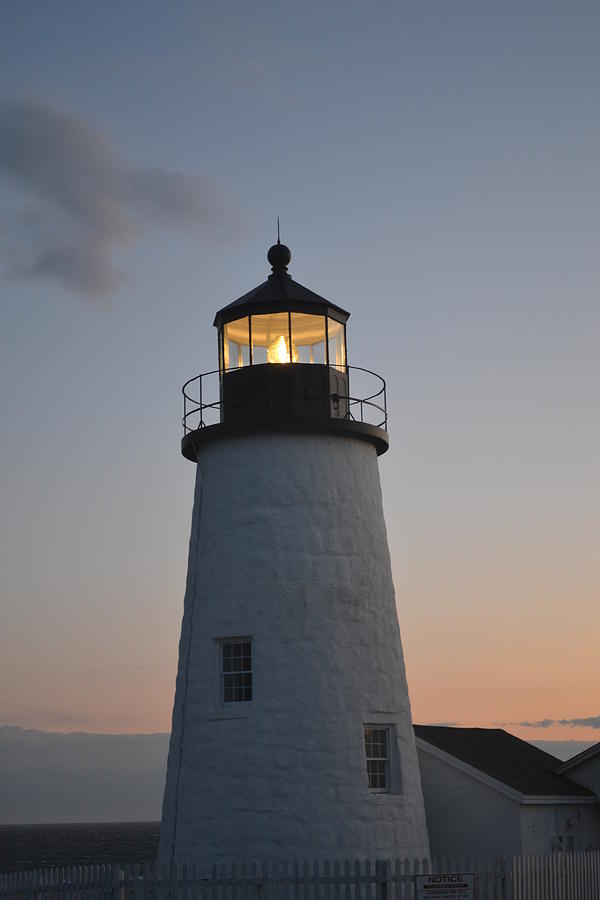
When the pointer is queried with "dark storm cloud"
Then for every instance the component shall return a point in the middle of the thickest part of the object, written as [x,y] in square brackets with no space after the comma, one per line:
[86,202]
[589,722]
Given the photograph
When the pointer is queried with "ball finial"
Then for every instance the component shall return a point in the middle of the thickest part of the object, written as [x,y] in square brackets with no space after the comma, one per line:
[279,256]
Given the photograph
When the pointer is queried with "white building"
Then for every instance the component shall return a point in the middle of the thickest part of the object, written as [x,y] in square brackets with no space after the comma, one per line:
[292,735]
[584,769]
[488,793]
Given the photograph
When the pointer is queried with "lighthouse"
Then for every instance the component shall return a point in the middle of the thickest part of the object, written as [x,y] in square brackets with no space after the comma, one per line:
[292,736]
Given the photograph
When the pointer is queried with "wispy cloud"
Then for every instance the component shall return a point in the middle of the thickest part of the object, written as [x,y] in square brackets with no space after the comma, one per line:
[444,724]
[85,202]
[51,718]
[589,722]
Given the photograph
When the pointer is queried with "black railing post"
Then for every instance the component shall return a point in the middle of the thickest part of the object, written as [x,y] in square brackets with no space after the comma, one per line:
[201,406]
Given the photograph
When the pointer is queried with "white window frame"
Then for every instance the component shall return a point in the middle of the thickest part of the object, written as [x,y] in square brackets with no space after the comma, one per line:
[387,767]
[231,673]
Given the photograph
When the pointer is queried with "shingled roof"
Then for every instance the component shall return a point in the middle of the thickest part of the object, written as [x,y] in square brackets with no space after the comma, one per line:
[506,758]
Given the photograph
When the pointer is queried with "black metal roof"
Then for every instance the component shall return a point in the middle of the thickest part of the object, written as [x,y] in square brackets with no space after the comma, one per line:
[279,292]
[503,756]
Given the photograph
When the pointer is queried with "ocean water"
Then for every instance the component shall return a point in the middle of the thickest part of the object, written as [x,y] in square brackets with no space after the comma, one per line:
[25,847]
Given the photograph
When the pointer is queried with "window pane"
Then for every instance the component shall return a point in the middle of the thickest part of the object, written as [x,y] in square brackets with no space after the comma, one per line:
[236,344]
[376,773]
[308,338]
[271,339]
[376,752]
[236,671]
[337,344]
[379,743]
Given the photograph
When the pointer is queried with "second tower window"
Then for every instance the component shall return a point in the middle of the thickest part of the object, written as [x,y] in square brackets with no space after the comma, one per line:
[236,671]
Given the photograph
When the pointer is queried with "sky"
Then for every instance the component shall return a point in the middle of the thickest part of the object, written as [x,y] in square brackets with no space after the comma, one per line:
[435,168]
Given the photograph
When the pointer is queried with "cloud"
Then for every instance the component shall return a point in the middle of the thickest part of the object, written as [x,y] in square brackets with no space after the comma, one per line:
[444,724]
[589,722]
[543,723]
[50,718]
[86,202]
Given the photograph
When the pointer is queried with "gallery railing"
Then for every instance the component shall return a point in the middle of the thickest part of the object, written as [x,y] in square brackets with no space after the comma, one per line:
[202,399]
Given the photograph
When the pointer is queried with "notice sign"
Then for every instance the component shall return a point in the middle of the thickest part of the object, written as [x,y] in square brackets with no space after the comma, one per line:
[445,887]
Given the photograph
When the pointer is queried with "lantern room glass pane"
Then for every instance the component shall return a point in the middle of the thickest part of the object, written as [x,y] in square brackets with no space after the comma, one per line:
[308,338]
[271,339]
[337,344]
[236,344]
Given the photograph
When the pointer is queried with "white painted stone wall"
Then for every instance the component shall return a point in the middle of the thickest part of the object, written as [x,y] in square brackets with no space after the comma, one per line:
[289,547]
[465,816]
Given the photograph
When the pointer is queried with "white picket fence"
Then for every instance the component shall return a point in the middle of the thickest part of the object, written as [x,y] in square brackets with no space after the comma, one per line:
[557,876]
[560,876]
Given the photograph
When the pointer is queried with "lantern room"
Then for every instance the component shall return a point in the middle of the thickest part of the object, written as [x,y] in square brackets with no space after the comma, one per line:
[281,322]
[283,366]
[282,351]
[283,337]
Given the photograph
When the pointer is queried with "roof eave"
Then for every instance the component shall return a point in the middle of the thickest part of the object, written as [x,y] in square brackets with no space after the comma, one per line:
[280,297]
[265,307]
[496,784]
[555,799]
[464,767]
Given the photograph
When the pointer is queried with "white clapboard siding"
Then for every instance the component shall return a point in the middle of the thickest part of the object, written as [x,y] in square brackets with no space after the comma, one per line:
[559,876]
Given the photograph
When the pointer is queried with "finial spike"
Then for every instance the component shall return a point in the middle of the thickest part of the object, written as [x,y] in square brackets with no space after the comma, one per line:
[278,241]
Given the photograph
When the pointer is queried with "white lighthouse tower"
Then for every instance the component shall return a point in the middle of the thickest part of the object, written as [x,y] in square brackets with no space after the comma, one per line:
[292,735]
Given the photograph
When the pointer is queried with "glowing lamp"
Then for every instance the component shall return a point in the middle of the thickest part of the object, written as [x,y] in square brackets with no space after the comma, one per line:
[278,351]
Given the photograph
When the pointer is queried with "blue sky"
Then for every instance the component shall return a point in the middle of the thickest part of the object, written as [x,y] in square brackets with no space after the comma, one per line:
[435,169]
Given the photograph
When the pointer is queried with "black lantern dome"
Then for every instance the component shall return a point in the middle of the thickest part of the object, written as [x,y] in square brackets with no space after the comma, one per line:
[283,364]
[279,293]
[279,256]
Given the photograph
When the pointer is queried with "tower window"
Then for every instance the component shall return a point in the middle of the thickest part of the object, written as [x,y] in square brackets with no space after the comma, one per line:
[236,671]
[378,761]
